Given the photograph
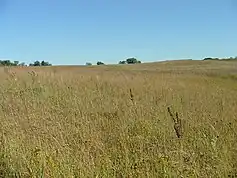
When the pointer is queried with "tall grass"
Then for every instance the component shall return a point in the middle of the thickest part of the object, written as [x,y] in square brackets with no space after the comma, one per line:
[59,122]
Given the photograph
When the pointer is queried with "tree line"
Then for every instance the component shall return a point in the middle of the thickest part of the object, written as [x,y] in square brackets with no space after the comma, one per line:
[127,61]
[17,63]
[135,61]
[220,59]
[131,60]
[44,63]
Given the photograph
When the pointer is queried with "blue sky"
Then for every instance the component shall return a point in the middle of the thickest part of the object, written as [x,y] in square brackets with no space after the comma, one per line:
[76,31]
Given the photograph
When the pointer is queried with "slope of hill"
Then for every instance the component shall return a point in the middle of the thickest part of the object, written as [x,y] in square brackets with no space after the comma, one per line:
[164,119]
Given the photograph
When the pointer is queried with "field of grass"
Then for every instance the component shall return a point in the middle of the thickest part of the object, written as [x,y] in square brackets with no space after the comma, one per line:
[113,121]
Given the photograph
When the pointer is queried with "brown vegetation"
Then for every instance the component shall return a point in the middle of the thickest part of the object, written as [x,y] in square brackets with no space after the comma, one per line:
[112,121]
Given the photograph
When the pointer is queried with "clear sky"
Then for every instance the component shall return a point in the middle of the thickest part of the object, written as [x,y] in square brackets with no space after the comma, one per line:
[76,31]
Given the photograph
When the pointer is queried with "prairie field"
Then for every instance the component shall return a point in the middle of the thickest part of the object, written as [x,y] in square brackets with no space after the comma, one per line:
[165,119]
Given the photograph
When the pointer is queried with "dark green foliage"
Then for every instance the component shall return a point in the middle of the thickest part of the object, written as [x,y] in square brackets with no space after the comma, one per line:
[122,62]
[220,59]
[209,58]
[8,63]
[100,63]
[130,61]
[36,63]
[42,63]
[17,63]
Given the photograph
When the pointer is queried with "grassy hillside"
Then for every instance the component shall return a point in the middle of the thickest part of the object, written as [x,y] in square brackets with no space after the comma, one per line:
[114,121]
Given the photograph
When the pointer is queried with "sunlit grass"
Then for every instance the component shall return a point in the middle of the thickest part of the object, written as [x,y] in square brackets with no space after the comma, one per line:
[113,121]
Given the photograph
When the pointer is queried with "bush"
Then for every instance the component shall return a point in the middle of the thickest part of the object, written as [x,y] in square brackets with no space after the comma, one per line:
[100,63]
[130,61]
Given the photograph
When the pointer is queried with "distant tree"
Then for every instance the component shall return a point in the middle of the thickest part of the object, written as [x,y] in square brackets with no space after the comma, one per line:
[207,58]
[42,63]
[210,58]
[88,64]
[221,59]
[16,63]
[100,63]
[37,63]
[22,64]
[122,62]
[132,61]
[7,63]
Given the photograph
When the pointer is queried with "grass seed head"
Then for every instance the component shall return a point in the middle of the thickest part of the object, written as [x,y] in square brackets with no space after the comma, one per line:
[177,123]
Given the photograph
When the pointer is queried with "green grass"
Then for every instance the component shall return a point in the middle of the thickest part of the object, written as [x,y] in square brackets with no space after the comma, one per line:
[85,122]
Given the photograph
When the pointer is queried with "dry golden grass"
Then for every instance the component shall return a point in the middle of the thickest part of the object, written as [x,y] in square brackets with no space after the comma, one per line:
[114,121]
